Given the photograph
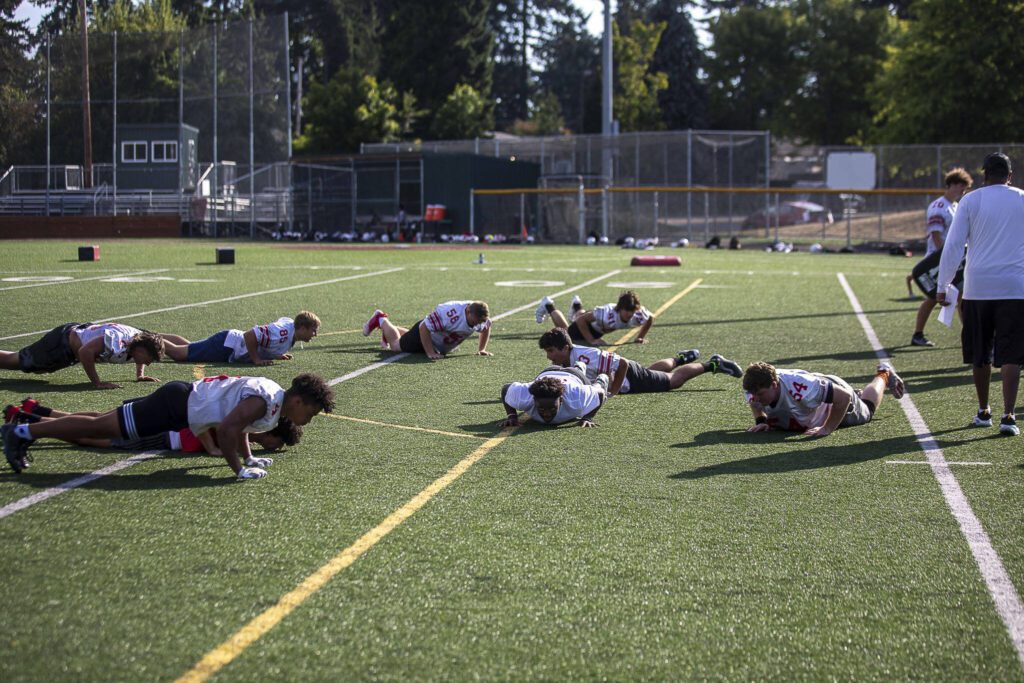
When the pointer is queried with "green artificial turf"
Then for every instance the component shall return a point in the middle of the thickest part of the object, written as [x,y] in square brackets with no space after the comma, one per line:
[668,543]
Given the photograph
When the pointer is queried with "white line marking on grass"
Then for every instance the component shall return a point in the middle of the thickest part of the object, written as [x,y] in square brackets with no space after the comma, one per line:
[925,462]
[399,356]
[71,281]
[219,301]
[1000,587]
[28,501]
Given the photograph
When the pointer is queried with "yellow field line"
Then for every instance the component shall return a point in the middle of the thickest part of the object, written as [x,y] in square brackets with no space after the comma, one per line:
[412,429]
[636,330]
[329,334]
[227,651]
[198,371]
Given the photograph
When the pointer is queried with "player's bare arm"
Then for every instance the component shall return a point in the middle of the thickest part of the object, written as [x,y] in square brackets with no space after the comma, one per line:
[618,378]
[511,414]
[583,325]
[587,421]
[87,356]
[252,348]
[841,397]
[140,374]
[760,418]
[641,337]
[209,445]
[485,336]
[232,437]
[428,343]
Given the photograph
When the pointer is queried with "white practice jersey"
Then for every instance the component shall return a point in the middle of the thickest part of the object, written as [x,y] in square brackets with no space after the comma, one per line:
[213,398]
[801,404]
[115,340]
[598,362]
[606,319]
[272,340]
[940,217]
[578,400]
[448,327]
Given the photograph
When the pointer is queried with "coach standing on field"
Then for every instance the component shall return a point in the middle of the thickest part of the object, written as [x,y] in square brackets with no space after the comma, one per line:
[990,222]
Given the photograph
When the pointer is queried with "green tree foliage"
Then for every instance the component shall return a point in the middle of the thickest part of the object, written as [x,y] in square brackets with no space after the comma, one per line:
[636,99]
[842,48]
[18,111]
[545,117]
[679,55]
[466,113]
[432,47]
[956,74]
[755,68]
[570,69]
[350,109]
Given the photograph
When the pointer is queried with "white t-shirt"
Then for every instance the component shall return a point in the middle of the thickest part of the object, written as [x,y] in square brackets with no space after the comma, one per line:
[990,221]
[598,362]
[606,319]
[448,327]
[272,340]
[939,217]
[115,340]
[213,398]
[801,404]
[578,399]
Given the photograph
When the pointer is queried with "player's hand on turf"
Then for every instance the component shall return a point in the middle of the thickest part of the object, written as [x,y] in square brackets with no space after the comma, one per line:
[484,352]
[144,378]
[253,461]
[434,356]
[251,473]
[285,356]
[107,385]
[817,431]
[763,427]
[587,424]
[510,421]
[641,340]
[262,361]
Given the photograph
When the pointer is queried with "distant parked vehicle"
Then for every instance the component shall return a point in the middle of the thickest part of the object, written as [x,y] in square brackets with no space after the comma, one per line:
[789,213]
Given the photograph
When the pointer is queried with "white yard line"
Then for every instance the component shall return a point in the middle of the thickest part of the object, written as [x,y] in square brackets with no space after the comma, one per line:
[45,494]
[925,462]
[74,281]
[219,301]
[399,356]
[1000,587]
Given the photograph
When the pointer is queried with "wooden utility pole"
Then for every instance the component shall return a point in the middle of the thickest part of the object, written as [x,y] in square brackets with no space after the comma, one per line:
[86,104]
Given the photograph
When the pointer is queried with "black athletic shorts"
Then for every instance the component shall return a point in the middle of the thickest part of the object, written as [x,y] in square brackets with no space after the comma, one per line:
[577,336]
[926,274]
[993,332]
[645,381]
[52,352]
[571,369]
[410,342]
[157,442]
[165,410]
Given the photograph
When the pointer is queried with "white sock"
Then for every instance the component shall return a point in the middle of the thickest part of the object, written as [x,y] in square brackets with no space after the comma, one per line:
[22,431]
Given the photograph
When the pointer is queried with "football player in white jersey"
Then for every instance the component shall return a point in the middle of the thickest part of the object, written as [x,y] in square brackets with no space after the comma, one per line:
[439,333]
[926,272]
[557,396]
[65,345]
[628,376]
[260,345]
[813,403]
[234,406]
[588,327]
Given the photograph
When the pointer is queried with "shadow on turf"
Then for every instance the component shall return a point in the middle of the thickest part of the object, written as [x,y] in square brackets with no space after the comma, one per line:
[810,458]
[777,318]
[29,386]
[177,478]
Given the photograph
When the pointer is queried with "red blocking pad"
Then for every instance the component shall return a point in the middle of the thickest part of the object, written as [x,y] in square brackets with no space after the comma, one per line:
[656,261]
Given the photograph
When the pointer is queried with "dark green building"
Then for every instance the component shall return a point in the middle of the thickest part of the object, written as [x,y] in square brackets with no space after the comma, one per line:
[157,156]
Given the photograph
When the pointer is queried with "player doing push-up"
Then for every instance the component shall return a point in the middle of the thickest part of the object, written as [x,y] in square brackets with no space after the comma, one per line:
[557,396]
[438,334]
[588,327]
[261,345]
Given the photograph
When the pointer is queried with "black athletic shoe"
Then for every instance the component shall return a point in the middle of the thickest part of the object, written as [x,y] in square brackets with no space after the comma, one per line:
[1008,426]
[719,363]
[687,356]
[920,340]
[983,418]
[15,448]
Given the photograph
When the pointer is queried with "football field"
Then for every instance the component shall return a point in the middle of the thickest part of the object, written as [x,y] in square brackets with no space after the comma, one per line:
[411,537]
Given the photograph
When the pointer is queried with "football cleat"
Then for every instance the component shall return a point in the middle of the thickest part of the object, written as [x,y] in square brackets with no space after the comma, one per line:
[719,363]
[374,322]
[15,448]
[11,413]
[895,382]
[29,404]
[983,418]
[687,356]
[1008,426]
[576,309]
[542,309]
[920,340]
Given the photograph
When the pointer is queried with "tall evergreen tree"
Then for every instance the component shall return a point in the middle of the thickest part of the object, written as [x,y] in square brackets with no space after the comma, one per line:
[570,70]
[684,102]
[18,110]
[432,47]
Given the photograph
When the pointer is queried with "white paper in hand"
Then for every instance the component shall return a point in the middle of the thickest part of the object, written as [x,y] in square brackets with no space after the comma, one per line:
[946,312]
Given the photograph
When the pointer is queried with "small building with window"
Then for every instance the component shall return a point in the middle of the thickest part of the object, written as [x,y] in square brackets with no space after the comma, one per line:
[157,156]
